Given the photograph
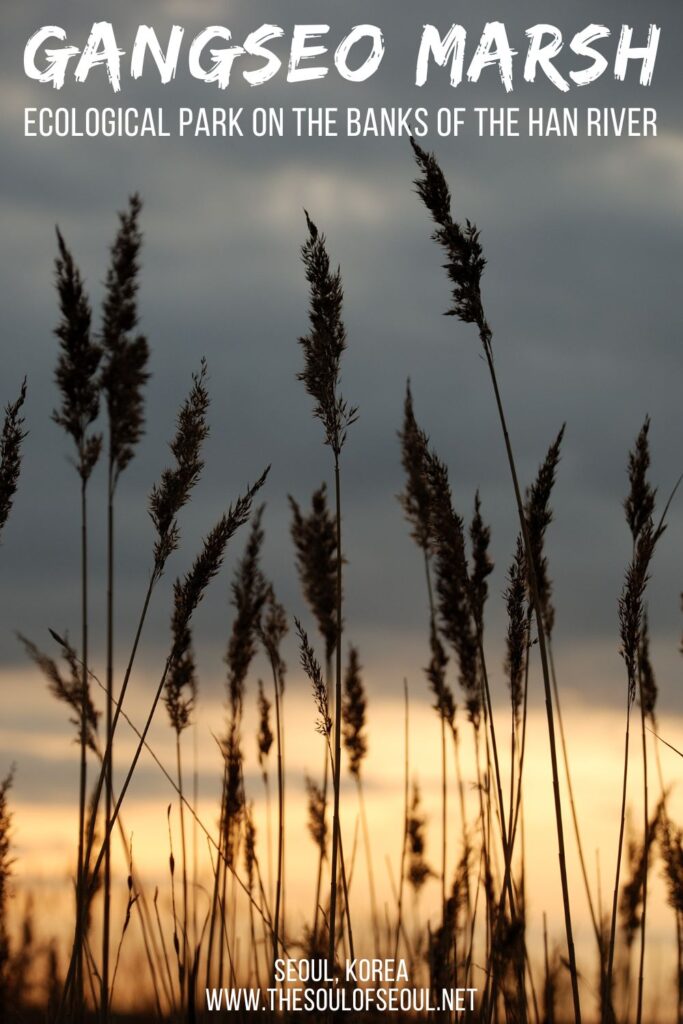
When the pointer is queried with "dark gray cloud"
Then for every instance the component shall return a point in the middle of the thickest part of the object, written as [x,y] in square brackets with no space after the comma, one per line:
[584,245]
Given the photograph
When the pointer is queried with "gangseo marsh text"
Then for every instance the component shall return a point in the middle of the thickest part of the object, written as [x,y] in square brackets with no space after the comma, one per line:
[308,53]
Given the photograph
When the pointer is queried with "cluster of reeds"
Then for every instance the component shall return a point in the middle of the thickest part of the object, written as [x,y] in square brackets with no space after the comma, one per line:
[109,368]
[478,938]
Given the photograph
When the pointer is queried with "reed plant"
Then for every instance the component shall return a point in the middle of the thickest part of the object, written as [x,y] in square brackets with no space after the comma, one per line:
[79,386]
[323,347]
[476,935]
[465,266]
[124,375]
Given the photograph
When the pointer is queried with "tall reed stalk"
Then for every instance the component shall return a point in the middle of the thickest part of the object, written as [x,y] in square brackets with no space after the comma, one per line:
[465,266]
[638,505]
[315,542]
[124,375]
[406,790]
[167,499]
[272,631]
[323,347]
[76,378]
[179,698]
[355,740]
[248,596]
[630,626]
[311,667]
[416,502]
[188,594]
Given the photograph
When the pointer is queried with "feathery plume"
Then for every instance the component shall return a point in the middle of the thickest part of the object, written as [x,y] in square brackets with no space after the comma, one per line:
[416,500]
[317,821]
[482,565]
[67,688]
[315,543]
[272,631]
[436,677]
[265,733]
[181,683]
[648,683]
[189,591]
[539,516]
[311,667]
[250,845]
[176,484]
[415,497]
[631,604]
[353,714]
[671,843]
[640,503]
[465,259]
[248,597]
[325,342]
[453,584]
[441,951]
[126,354]
[418,868]
[516,641]
[11,439]
[631,903]
[78,363]
[234,792]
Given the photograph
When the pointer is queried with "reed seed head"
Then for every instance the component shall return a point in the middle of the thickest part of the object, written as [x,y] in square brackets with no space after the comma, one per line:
[648,683]
[315,543]
[317,821]
[539,515]
[418,868]
[631,604]
[354,706]
[311,667]
[631,900]
[189,591]
[436,677]
[174,489]
[250,845]
[465,260]
[324,344]
[11,439]
[517,631]
[415,498]
[453,583]
[671,844]
[272,631]
[126,353]
[181,683]
[265,733]
[248,597]
[640,502]
[78,364]
[441,951]
[482,564]
[234,792]
[67,687]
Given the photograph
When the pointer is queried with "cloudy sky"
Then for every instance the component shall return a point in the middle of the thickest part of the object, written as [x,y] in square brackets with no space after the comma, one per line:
[583,238]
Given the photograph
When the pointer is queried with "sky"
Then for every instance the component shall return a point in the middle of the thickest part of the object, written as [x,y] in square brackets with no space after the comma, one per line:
[583,241]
